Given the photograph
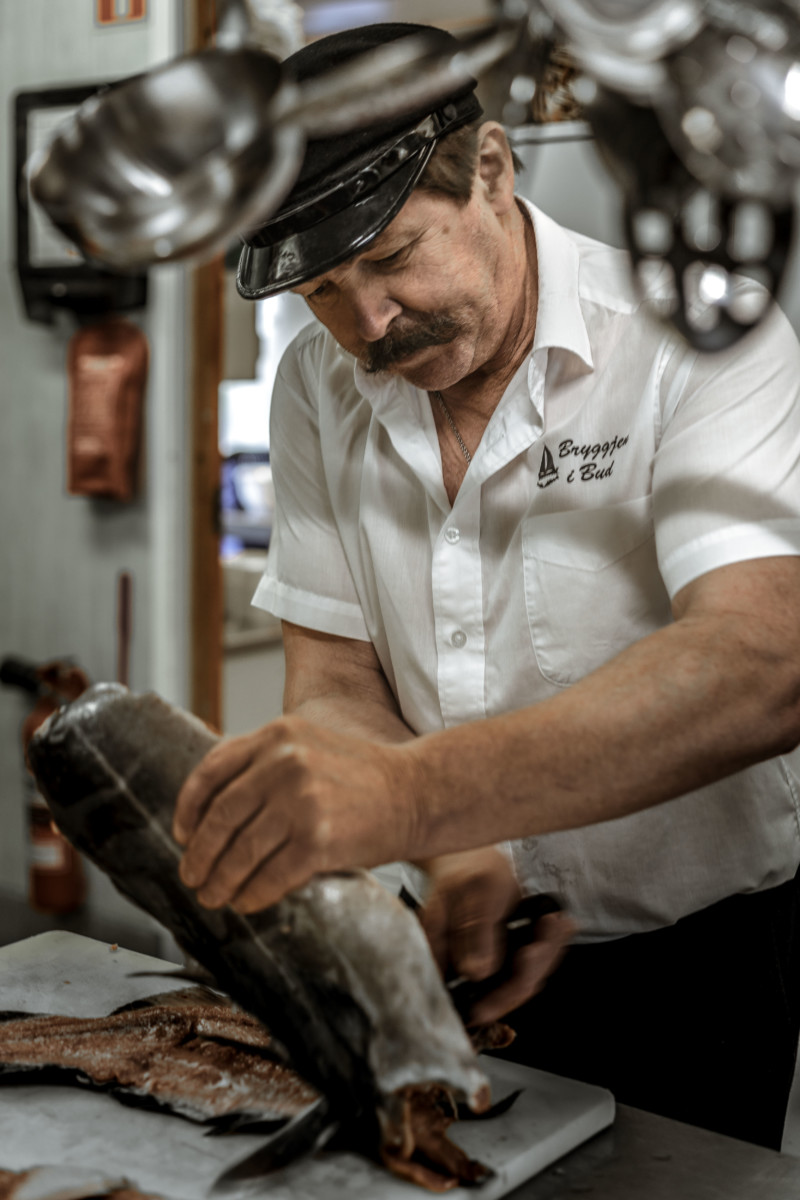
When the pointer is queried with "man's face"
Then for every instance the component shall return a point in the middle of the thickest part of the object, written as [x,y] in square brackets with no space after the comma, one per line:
[423,300]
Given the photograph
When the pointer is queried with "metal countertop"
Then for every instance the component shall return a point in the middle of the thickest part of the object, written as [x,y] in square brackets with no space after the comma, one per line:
[645,1157]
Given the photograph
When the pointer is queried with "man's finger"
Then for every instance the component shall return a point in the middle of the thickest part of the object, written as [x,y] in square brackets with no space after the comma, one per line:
[433,918]
[226,813]
[255,843]
[286,870]
[477,932]
[215,771]
[478,946]
[532,966]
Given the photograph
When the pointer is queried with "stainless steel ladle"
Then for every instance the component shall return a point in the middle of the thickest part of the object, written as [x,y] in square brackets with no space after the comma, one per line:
[173,163]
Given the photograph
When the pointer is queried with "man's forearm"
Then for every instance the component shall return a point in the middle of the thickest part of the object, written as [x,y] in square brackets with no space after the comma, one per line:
[339,684]
[675,711]
[708,695]
[354,715]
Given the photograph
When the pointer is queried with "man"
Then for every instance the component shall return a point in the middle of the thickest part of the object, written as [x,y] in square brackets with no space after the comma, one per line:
[537,567]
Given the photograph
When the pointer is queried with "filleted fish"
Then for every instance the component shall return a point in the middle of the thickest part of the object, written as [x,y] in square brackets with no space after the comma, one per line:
[188,1052]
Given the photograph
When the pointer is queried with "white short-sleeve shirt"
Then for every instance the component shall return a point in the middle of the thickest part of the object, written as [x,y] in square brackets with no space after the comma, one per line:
[618,466]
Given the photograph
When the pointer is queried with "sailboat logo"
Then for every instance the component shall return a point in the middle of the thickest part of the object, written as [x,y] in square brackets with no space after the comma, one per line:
[548,471]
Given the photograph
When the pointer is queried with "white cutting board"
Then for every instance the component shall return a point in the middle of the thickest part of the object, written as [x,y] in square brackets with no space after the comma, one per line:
[65,973]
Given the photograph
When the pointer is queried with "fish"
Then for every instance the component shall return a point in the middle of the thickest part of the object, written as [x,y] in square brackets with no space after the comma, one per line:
[183,1052]
[339,971]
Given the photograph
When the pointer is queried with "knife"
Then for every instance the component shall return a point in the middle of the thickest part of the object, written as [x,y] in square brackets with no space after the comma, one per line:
[520,928]
[306,1132]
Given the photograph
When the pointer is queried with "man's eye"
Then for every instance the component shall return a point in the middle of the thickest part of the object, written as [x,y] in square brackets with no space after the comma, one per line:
[318,291]
[391,258]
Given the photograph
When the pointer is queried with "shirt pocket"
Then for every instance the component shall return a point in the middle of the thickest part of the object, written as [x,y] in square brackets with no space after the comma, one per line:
[592,586]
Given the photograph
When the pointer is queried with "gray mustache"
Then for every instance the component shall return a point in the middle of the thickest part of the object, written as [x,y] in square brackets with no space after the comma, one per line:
[438,330]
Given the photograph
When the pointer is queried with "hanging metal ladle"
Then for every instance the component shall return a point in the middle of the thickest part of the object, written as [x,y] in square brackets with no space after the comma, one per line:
[173,163]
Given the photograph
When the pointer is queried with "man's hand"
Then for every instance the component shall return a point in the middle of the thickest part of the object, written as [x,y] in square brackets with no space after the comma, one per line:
[263,813]
[471,896]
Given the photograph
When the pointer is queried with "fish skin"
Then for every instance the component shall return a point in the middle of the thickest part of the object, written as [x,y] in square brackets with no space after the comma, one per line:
[339,971]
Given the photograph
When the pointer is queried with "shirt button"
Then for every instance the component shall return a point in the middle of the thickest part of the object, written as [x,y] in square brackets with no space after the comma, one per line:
[453,535]
[458,639]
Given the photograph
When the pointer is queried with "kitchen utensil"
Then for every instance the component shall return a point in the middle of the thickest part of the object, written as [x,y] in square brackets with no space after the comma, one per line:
[175,162]
[279,1151]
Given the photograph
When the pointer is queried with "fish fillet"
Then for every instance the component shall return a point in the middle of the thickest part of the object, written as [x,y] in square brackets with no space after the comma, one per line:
[201,1059]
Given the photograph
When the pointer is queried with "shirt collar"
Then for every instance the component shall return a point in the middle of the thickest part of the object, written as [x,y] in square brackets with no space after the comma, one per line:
[559,316]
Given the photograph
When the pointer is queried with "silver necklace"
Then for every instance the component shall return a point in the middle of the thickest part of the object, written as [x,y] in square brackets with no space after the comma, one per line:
[453,426]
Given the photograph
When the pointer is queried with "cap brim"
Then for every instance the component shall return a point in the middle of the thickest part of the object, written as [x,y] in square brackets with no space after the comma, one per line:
[268,270]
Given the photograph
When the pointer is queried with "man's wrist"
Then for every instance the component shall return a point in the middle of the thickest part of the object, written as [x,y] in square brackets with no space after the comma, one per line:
[407,785]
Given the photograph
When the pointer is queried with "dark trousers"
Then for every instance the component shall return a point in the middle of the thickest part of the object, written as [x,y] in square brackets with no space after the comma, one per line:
[698,1021]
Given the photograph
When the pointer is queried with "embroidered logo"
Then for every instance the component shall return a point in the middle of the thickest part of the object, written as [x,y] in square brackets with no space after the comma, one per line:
[548,471]
[592,460]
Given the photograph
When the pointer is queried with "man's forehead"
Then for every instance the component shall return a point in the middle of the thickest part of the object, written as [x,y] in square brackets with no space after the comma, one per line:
[407,226]
[410,225]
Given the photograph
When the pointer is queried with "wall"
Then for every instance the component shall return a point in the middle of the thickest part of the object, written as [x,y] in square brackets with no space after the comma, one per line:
[60,556]
[252,687]
[563,175]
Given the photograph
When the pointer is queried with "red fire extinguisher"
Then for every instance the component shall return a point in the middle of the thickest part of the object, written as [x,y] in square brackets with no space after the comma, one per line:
[56,878]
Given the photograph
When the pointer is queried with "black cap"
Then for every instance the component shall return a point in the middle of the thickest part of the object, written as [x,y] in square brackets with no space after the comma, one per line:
[353,184]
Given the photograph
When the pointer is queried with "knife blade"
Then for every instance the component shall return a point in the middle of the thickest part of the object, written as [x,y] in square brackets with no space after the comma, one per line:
[306,1132]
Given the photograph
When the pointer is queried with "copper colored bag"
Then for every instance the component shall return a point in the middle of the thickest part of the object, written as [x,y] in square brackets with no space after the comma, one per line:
[107,367]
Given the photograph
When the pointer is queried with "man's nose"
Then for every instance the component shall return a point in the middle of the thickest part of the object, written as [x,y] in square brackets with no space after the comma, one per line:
[373,311]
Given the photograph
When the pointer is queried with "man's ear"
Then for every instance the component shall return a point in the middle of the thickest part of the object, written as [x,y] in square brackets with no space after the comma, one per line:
[495,166]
